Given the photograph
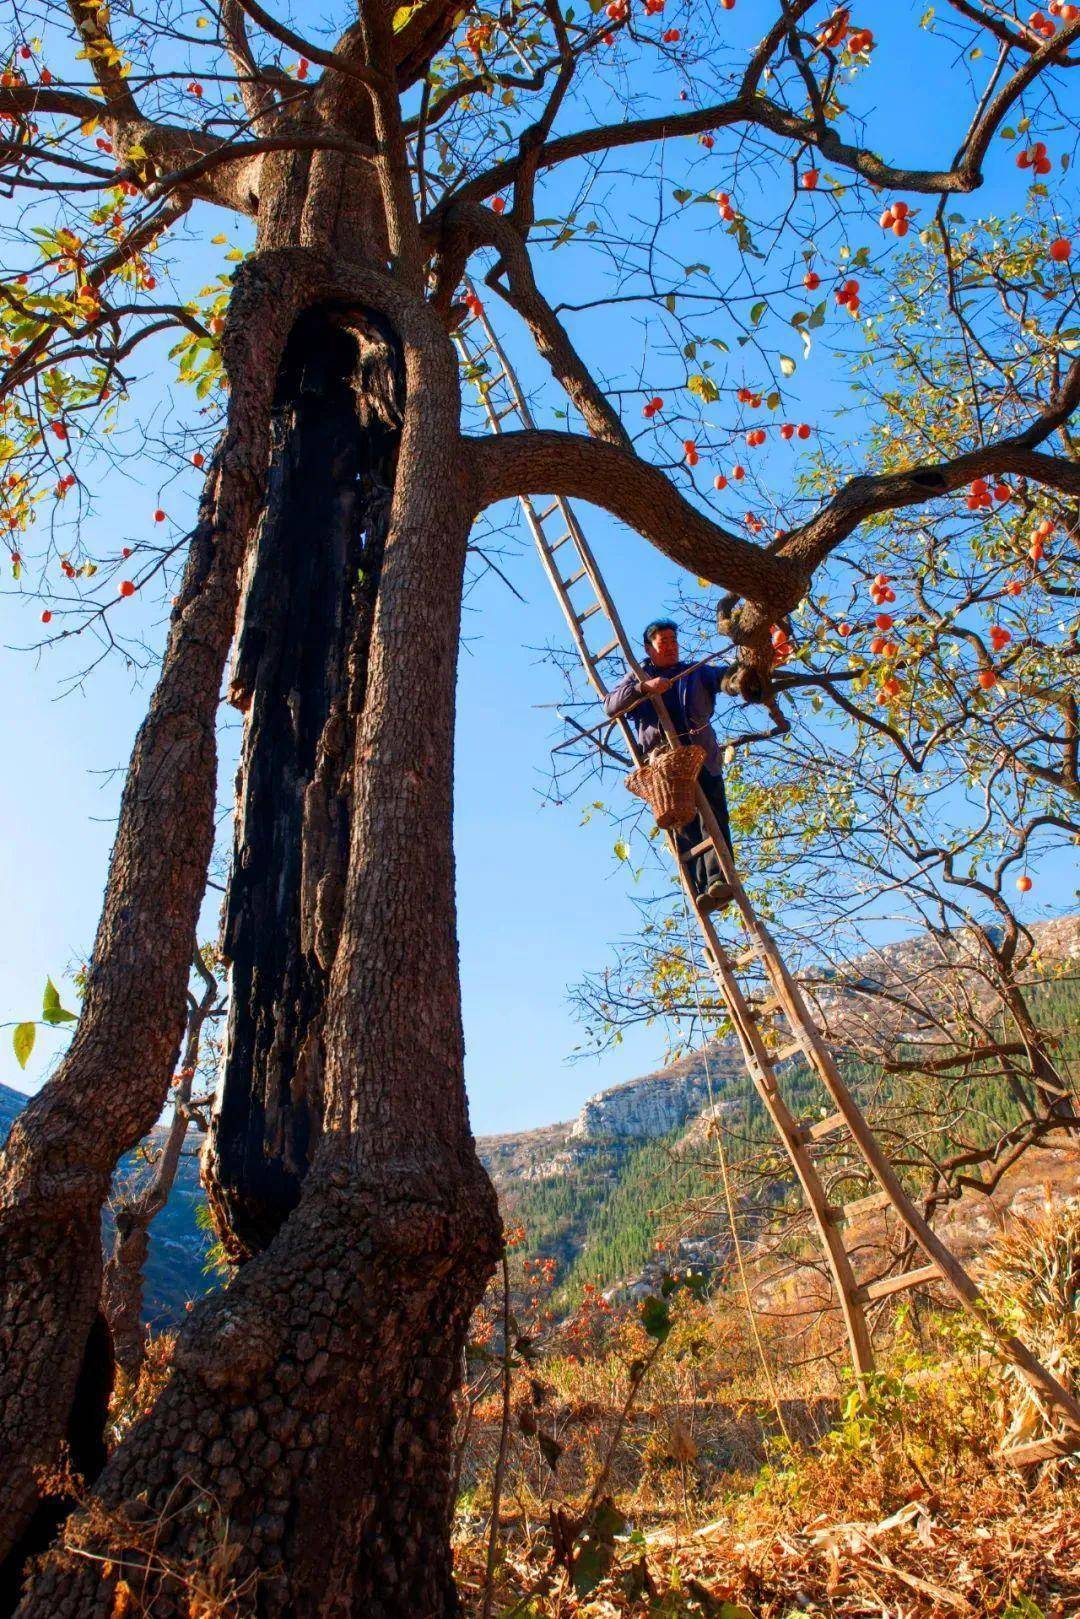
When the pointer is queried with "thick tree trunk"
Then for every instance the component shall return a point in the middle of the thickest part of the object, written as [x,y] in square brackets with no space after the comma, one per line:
[300,1454]
[299,672]
[111,1086]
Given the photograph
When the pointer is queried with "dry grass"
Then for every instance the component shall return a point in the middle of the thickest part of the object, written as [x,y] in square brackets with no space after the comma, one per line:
[902,1508]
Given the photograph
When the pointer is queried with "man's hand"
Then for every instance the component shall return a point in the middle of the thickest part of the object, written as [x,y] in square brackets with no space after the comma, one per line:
[656,686]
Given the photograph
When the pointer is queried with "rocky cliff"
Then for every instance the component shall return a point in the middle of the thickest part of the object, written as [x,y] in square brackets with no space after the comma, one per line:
[657,1103]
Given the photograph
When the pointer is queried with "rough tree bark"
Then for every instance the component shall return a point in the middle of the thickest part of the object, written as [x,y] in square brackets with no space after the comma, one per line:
[310,1401]
[299,1453]
[112,1084]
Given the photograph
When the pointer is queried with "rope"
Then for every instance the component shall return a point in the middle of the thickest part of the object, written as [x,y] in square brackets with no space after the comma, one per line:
[728,1198]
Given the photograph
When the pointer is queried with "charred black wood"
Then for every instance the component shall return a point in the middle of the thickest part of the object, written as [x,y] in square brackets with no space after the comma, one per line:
[299,674]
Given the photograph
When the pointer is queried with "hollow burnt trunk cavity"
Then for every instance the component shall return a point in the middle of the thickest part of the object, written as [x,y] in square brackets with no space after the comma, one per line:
[299,674]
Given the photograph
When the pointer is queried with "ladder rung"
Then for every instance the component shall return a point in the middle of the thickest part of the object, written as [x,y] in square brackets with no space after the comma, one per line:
[747,957]
[542,517]
[500,415]
[824,1127]
[699,848]
[574,577]
[865,1205]
[768,1007]
[597,607]
[1041,1450]
[900,1284]
[612,646]
[560,541]
[786,1053]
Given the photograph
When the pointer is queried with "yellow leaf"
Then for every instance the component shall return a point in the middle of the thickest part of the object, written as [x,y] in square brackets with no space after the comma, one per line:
[704,388]
[217,240]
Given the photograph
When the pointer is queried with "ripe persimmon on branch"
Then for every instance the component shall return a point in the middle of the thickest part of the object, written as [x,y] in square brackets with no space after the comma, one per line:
[725,184]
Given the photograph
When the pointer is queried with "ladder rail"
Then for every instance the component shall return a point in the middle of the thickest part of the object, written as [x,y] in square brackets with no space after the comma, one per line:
[754,1053]
[570,520]
[797,1139]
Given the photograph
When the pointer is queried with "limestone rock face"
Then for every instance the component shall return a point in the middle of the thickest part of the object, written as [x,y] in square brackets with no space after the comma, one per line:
[657,1103]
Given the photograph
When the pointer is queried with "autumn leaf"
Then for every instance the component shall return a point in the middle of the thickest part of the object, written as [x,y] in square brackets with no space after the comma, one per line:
[704,389]
[23,1041]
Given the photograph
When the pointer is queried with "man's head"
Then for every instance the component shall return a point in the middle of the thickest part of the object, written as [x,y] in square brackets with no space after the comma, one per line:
[662,642]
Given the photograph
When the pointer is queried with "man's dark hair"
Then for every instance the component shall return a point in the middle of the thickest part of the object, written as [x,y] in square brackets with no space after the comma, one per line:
[656,626]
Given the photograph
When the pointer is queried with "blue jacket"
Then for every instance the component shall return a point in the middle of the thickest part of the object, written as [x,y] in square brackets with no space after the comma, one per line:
[690,703]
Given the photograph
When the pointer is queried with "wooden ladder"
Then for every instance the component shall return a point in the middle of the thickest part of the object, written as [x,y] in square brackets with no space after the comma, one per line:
[587,606]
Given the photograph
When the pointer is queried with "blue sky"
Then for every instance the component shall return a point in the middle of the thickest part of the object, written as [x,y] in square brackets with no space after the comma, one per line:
[541,895]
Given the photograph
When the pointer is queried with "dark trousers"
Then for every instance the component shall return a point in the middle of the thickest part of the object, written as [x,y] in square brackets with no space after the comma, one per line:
[705,868]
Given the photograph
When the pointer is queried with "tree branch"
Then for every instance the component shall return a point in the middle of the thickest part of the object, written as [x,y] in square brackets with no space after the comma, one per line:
[539,462]
[92,24]
[552,341]
[753,109]
[869,496]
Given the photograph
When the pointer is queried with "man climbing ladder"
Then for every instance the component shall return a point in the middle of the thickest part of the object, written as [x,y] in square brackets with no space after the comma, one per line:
[576,570]
[688,691]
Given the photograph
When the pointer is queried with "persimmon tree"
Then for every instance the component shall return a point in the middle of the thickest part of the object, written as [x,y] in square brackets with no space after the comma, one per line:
[923,779]
[309,1405]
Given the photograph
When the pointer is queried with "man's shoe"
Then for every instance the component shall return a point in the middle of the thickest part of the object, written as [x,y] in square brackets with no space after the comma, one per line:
[717,897]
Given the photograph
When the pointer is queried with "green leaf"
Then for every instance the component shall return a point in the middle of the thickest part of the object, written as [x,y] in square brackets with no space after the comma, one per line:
[23,1041]
[656,1318]
[608,1521]
[622,851]
[682,195]
[51,1010]
[590,1566]
[757,312]
[669,302]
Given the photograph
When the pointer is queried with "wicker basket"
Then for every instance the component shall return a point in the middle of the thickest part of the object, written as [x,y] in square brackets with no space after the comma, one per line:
[668,785]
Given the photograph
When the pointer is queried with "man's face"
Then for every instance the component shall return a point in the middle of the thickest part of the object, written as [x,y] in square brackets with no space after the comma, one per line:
[664,648]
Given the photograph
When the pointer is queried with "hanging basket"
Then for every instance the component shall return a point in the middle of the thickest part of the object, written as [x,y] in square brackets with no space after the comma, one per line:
[668,785]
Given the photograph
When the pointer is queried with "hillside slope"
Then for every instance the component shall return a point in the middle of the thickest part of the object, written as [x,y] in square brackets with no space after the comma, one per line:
[592,1191]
